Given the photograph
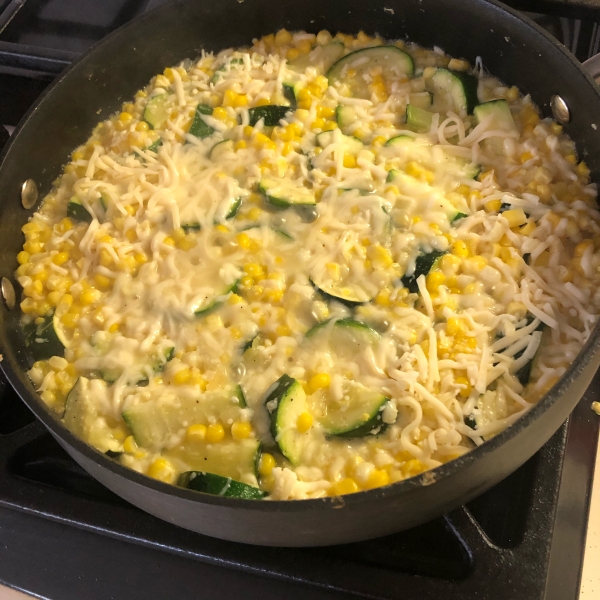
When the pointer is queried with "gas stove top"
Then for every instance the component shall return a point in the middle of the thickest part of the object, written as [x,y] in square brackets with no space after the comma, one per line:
[63,536]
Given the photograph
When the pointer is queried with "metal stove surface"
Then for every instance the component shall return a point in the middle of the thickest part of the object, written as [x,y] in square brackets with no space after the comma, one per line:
[63,536]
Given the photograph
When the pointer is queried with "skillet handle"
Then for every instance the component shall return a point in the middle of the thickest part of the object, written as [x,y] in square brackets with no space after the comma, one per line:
[592,66]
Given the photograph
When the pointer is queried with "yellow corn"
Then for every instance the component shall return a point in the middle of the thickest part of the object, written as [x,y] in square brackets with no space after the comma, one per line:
[129,445]
[241,430]
[377,478]
[162,470]
[215,433]
[434,280]
[319,381]
[196,433]
[465,391]
[267,464]
[304,422]
[515,217]
[459,248]
[182,376]
[344,486]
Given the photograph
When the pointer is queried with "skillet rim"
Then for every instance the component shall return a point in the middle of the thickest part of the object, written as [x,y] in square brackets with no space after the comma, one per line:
[57,428]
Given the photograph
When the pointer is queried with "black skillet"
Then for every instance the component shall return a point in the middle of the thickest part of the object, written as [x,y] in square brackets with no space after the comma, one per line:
[512,48]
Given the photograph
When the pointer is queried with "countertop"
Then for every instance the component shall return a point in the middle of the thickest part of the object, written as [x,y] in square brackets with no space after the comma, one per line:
[590,580]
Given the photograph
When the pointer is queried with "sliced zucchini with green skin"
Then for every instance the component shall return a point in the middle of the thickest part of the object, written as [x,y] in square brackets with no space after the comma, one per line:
[345,116]
[392,60]
[213,303]
[199,127]
[81,417]
[321,58]
[352,144]
[156,111]
[270,114]
[234,208]
[283,234]
[471,421]
[357,414]
[344,334]
[501,119]
[157,365]
[249,344]
[154,146]
[217,485]
[285,404]
[392,174]
[283,194]
[239,392]
[420,99]
[113,454]
[345,295]
[189,227]
[154,422]
[424,264]
[236,459]
[290,93]
[455,91]
[418,119]
[43,339]
[400,140]
[458,216]
[221,148]
[218,74]
[78,212]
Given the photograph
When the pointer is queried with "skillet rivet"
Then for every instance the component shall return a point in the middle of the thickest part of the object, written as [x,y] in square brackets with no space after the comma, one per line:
[8,293]
[560,110]
[29,194]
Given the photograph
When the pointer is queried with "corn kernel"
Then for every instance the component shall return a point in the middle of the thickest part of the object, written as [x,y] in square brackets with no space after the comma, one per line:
[459,248]
[349,161]
[162,470]
[196,433]
[344,486]
[23,257]
[241,430]
[515,217]
[304,422]
[319,381]
[243,241]
[182,376]
[267,464]
[377,478]
[493,205]
[255,271]
[129,445]
[466,389]
[102,281]
[434,280]
[215,433]
[89,297]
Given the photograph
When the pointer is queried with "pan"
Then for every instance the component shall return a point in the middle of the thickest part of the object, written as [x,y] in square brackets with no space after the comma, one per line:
[511,47]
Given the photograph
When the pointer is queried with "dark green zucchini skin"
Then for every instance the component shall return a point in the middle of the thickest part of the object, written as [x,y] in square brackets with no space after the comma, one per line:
[271,114]
[209,483]
[424,264]
[199,127]
[284,383]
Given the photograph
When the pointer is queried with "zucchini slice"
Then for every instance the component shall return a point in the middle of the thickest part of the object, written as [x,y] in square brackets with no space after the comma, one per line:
[199,127]
[392,60]
[228,66]
[46,339]
[221,148]
[344,335]
[524,373]
[320,57]
[458,216]
[154,146]
[351,144]
[156,112]
[217,485]
[455,91]
[501,119]
[425,262]
[154,422]
[77,211]
[213,302]
[420,99]
[270,114]
[418,119]
[283,194]
[189,227]
[345,116]
[285,404]
[357,414]
[81,418]
[234,459]
[400,140]
[349,296]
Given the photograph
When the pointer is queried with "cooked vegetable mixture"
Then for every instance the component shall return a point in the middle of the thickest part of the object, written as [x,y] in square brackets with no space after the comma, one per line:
[311,267]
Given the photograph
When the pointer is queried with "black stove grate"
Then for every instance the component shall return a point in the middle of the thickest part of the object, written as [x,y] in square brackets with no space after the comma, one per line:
[513,542]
